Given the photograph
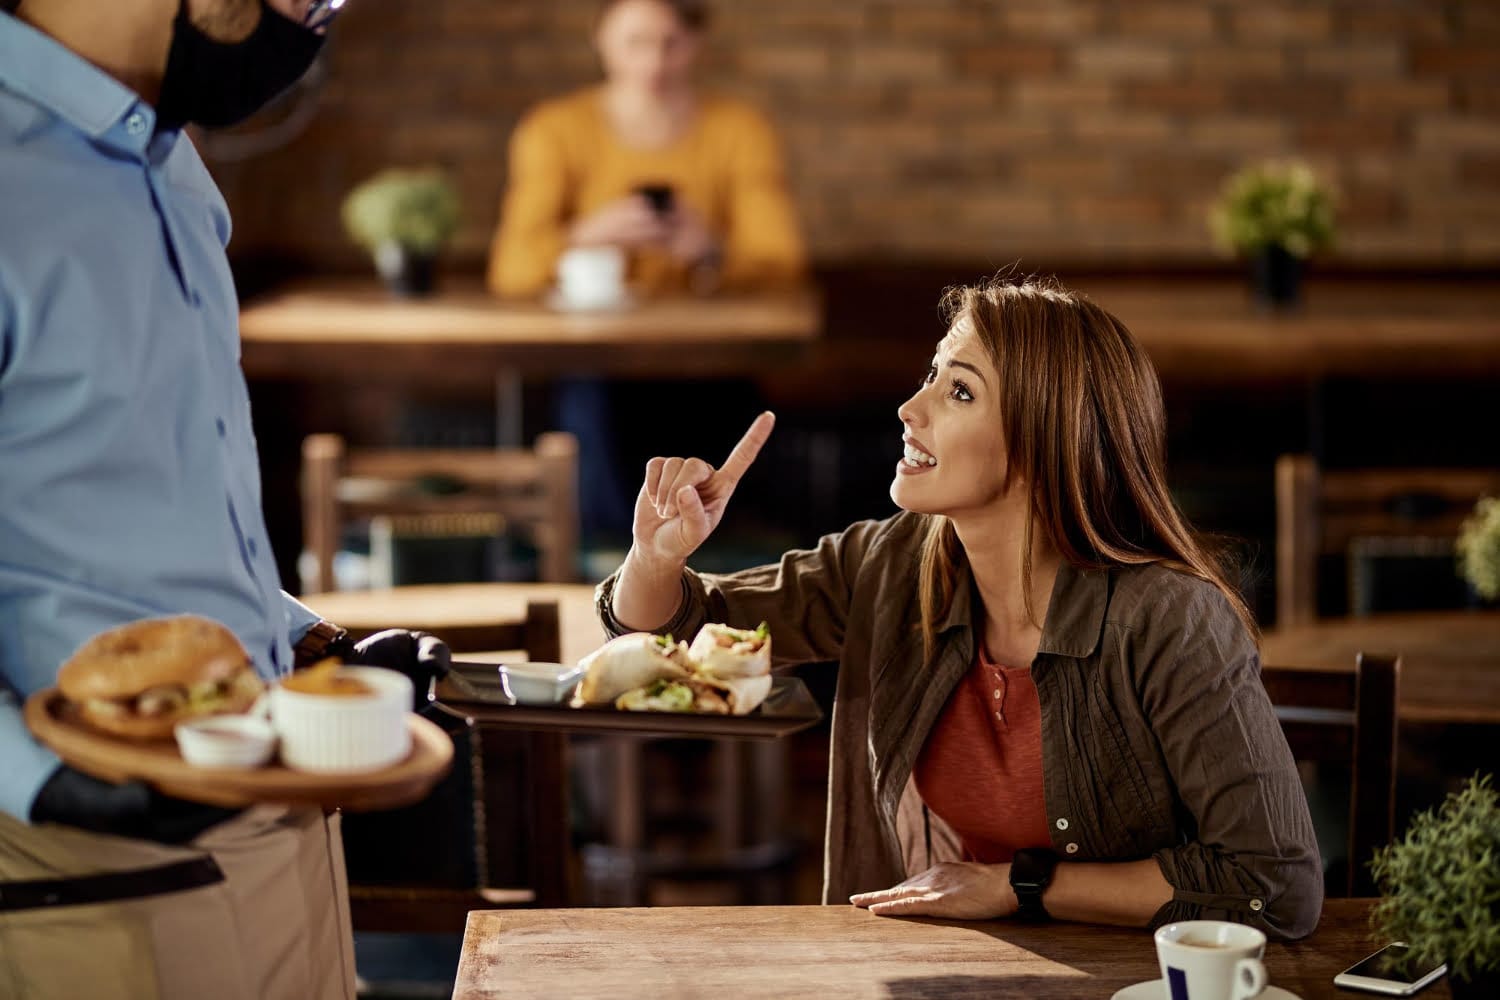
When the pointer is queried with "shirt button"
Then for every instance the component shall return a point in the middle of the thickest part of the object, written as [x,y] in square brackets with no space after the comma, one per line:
[219,423]
[997,693]
[1072,847]
[1062,822]
[136,123]
[1256,905]
[254,549]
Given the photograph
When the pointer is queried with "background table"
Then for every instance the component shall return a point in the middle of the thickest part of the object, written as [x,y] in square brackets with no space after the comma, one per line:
[357,328]
[1450,660]
[436,605]
[840,951]
[354,329]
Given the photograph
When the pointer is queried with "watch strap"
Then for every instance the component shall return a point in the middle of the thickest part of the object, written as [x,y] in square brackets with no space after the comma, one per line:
[323,640]
[1030,874]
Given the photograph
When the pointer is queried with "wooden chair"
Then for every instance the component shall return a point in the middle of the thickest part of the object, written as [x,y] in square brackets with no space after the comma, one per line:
[1364,512]
[533,490]
[1338,716]
[512,796]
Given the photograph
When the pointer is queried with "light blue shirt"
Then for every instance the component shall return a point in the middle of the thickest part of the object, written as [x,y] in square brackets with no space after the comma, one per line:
[129,484]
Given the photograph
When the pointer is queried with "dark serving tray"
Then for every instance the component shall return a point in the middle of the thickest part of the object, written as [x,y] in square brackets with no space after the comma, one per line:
[473,691]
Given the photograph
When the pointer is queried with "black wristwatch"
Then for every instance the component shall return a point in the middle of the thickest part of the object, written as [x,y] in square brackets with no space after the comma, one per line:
[1030,874]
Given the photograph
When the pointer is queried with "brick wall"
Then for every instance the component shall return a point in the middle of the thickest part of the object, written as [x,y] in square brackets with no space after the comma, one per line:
[1061,131]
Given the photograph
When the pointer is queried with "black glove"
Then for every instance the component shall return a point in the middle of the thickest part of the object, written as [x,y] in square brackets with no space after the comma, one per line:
[421,656]
[133,809]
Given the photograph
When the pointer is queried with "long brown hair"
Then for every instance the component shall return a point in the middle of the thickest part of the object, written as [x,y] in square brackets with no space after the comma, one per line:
[1084,425]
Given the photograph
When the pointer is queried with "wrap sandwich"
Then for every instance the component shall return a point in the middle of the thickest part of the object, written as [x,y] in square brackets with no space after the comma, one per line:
[628,663]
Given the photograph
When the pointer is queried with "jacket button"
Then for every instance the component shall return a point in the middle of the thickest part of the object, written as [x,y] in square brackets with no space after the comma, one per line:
[1072,847]
[1256,905]
[1062,822]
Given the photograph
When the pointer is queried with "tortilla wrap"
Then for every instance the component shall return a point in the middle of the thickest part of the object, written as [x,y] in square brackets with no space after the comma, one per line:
[626,663]
[727,653]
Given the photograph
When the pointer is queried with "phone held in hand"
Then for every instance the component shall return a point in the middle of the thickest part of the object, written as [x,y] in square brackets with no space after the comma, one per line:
[1388,972]
[661,197]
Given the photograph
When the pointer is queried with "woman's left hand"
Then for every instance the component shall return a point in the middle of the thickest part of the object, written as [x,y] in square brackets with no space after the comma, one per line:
[961,890]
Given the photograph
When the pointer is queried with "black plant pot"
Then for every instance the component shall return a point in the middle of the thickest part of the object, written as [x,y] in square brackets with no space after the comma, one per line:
[408,274]
[1480,986]
[1276,276]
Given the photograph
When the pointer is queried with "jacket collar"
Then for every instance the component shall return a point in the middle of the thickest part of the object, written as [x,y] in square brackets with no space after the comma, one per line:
[1075,613]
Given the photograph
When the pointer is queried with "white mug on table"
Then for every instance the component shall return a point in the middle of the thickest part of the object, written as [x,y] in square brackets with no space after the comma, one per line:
[1211,960]
[591,277]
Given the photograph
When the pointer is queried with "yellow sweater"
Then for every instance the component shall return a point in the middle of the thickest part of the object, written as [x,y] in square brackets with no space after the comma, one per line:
[566,163]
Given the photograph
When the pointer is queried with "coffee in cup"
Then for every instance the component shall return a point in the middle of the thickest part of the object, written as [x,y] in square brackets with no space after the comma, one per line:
[1211,960]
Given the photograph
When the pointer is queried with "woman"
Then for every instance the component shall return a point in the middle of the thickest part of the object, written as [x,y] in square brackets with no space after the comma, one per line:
[591,169]
[1036,655]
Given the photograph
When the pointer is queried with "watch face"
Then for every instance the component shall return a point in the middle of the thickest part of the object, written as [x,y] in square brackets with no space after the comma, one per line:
[1031,868]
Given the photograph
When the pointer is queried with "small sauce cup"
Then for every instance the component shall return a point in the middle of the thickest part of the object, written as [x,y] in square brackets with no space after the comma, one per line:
[233,741]
[539,683]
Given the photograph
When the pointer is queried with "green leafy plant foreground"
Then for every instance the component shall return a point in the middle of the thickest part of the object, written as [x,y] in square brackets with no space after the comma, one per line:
[1440,885]
[1274,204]
[416,209]
[1479,548]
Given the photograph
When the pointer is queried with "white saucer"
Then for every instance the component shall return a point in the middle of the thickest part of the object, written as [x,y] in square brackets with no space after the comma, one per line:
[556,300]
[1153,990]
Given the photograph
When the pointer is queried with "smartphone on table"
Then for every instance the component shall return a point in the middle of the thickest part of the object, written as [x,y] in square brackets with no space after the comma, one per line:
[1387,972]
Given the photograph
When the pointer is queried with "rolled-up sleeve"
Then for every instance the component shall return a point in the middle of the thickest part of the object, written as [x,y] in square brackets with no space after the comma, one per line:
[804,597]
[1252,855]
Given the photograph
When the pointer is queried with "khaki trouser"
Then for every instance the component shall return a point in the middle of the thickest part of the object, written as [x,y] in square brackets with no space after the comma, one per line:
[276,927]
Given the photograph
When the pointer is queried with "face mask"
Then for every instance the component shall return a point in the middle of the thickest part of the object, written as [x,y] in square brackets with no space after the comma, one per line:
[216,84]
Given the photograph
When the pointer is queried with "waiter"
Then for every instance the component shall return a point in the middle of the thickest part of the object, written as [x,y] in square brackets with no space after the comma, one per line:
[129,488]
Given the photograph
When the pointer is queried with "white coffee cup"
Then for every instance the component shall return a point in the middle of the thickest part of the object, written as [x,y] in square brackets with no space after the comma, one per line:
[591,277]
[1211,960]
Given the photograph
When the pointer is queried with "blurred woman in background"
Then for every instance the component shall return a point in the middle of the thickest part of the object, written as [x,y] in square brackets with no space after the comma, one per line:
[689,185]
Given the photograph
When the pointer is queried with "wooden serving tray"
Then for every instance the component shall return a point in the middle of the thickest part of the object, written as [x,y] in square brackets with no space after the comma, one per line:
[50,718]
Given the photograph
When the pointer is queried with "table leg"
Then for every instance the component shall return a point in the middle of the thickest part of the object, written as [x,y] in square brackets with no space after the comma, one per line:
[508,408]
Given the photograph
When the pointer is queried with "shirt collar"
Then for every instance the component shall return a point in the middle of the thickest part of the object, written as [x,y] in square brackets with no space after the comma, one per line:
[1075,612]
[49,74]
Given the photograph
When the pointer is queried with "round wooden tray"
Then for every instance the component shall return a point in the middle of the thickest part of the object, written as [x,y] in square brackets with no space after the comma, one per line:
[49,717]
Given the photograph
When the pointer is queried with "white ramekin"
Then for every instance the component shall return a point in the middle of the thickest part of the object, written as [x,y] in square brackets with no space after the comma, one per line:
[539,683]
[341,734]
[238,741]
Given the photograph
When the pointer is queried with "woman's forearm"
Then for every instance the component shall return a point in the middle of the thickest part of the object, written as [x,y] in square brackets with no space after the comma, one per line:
[1127,892]
[647,593]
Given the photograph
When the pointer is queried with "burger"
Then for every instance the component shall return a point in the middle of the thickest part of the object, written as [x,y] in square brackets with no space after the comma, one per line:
[139,680]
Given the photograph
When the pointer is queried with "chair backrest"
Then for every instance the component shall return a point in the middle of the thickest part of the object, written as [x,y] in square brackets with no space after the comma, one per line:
[534,491]
[1321,511]
[507,805]
[1347,717]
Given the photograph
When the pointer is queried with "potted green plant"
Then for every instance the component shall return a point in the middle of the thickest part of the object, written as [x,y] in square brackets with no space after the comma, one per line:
[1479,549]
[1277,215]
[1440,889]
[403,217]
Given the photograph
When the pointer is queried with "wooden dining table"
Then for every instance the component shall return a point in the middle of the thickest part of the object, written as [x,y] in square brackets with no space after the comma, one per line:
[1450,660]
[352,327]
[439,605]
[333,329]
[829,952]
